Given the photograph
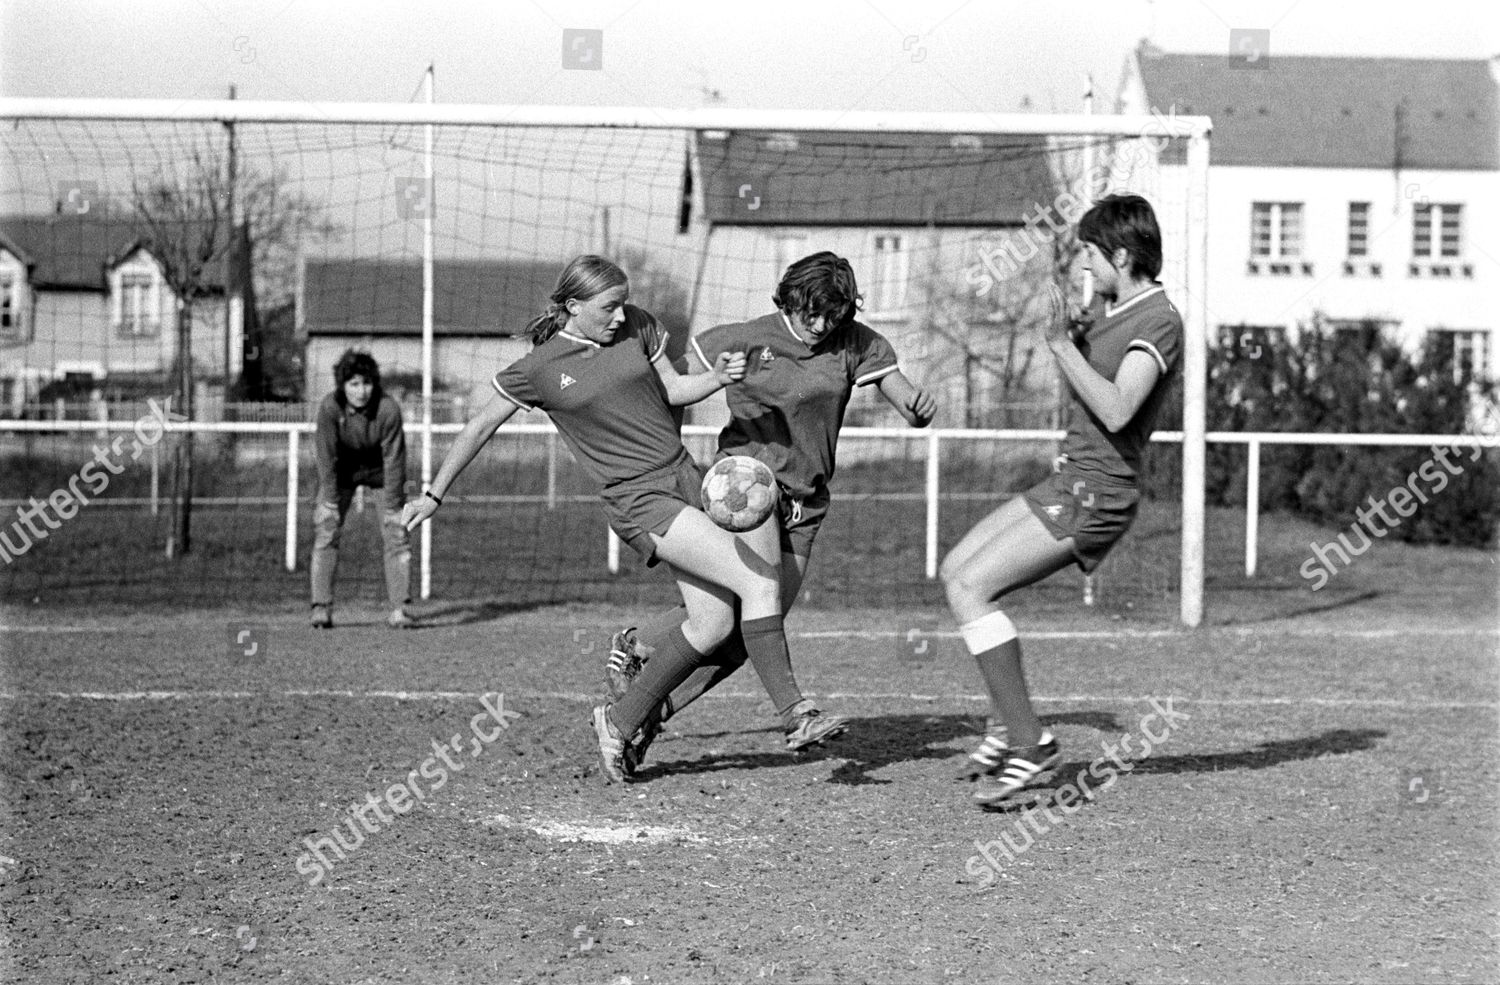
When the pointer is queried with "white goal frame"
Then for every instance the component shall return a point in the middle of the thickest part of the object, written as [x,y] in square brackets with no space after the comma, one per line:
[1196,131]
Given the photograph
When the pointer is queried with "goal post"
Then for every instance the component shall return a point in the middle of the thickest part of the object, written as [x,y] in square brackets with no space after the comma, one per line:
[709,202]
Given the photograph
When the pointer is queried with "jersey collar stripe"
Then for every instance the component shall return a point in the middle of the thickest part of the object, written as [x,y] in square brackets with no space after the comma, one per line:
[510,396]
[874,375]
[698,351]
[1148,347]
[661,350]
[1111,312]
[788,323]
[579,338]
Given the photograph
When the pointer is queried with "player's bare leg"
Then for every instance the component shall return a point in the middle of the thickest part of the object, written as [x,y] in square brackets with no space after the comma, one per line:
[1008,550]
[716,572]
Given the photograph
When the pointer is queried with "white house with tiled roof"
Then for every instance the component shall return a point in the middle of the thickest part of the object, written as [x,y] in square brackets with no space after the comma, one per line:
[1351,188]
[84,301]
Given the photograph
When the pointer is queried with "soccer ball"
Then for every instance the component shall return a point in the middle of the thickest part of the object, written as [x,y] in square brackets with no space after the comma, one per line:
[739,492]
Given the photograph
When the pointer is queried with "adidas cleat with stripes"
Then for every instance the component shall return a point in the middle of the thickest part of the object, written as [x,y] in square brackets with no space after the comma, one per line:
[989,756]
[624,664]
[1024,768]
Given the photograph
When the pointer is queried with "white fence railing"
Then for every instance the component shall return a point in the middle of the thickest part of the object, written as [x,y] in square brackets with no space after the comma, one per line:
[931,441]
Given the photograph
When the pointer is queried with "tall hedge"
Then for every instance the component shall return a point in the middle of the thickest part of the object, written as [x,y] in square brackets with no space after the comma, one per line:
[1351,381]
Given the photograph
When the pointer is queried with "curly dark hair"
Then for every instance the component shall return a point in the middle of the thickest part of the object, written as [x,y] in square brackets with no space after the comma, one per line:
[820,284]
[356,362]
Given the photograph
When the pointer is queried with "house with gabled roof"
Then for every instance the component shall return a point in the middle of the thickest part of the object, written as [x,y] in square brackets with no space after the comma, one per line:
[82,299]
[1343,189]
[480,311]
[915,214]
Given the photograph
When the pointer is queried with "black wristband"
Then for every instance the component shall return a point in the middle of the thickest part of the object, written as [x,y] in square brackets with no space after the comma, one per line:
[436,499]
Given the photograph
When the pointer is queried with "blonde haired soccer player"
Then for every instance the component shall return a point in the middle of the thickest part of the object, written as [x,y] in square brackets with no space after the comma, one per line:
[1118,370]
[599,369]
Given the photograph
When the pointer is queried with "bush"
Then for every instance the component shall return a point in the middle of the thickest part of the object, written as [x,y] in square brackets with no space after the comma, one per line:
[1359,381]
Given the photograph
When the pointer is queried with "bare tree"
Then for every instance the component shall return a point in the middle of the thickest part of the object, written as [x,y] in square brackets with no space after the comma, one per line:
[187,226]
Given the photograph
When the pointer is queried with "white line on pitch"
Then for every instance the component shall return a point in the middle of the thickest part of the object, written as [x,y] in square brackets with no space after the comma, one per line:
[1109,634]
[885,634]
[582,696]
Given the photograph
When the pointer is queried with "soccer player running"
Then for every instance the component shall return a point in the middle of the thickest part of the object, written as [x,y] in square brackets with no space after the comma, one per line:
[802,362]
[599,369]
[360,441]
[1118,369]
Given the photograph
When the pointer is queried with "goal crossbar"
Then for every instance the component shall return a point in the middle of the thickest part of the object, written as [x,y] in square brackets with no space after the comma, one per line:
[631,117]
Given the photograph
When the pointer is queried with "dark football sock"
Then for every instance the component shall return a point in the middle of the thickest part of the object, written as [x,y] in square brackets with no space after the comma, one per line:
[1006,682]
[723,662]
[673,658]
[765,642]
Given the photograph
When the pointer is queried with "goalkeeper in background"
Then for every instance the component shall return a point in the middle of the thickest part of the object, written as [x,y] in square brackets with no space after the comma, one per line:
[360,441]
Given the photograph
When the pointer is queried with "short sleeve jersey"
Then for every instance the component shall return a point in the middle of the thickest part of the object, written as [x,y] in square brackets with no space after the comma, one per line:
[606,400]
[1149,323]
[788,409]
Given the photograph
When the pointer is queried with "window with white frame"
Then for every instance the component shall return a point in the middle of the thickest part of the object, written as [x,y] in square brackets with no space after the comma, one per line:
[1437,231]
[888,293]
[1359,229]
[1276,230]
[1471,353]
[12,310]
[139,311]
[790,247]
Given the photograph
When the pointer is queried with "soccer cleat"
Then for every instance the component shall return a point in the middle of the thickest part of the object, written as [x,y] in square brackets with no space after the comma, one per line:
[322,617]
[624,664]
[810,726]
[611,746]
[990,754]
[635,752]
[1024,768]
[398,619]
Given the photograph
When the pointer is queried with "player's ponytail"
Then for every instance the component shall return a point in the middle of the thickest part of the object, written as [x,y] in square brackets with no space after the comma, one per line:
[584,277]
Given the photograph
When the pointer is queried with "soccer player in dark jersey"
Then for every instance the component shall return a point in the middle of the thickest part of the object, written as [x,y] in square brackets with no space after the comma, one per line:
[802,362]
[599,369]
[1118,369]
[360,441]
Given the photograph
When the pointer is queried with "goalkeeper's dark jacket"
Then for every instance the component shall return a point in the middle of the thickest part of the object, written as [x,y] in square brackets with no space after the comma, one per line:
[364,447]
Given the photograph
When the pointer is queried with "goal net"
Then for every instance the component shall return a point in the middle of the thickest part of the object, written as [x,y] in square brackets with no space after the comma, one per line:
[216,260]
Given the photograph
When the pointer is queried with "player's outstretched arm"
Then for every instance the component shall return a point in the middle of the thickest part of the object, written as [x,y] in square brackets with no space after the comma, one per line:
[728,368]
[473,437]
[914,403]
[1115,401]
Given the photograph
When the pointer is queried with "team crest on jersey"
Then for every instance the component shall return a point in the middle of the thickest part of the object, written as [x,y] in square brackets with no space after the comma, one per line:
[766,355]
[1053,511]
[567,381]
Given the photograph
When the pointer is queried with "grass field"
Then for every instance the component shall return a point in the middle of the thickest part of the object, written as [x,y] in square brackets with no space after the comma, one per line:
[1325,812]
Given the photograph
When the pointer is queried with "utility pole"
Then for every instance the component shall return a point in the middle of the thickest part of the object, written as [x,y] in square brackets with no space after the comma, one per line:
[229,264]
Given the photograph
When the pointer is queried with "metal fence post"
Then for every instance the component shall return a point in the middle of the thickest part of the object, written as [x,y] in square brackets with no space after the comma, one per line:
[1252,507]
[292,452]
[934,489]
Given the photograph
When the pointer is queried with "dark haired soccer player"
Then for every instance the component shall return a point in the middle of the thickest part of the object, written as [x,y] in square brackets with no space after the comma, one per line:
[1118,369]
[802,362]
[599,370]
[360,441]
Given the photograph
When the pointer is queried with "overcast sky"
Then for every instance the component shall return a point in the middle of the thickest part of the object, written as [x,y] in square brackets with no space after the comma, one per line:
[961,55]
